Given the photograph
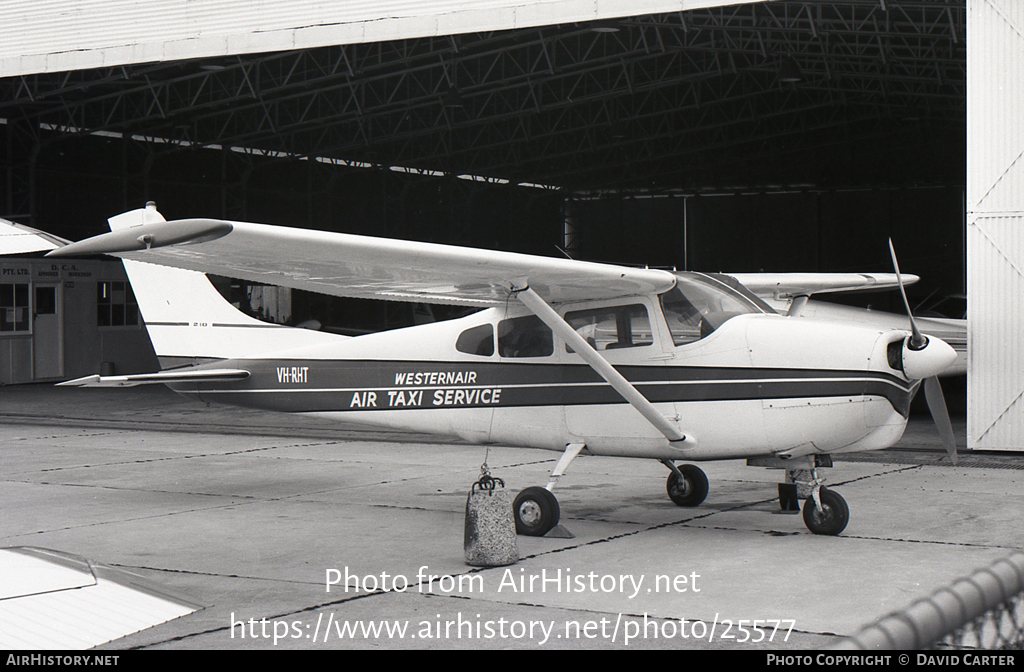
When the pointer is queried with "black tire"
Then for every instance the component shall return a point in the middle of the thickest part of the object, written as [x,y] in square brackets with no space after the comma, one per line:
[536,511]
[832,518]
[692,490]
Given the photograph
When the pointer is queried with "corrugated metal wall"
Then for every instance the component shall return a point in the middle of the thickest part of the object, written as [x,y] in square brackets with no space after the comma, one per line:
[995,224]
[57,35]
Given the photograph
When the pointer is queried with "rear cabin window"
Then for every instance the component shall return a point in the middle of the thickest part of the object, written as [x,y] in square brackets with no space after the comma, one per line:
[612,327]
[524,337]
[477,341]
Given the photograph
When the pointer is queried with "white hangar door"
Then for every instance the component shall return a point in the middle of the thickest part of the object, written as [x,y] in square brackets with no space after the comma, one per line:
[995,224]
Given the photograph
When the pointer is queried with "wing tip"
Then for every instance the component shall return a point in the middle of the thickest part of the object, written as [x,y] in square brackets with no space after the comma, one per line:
[147,236]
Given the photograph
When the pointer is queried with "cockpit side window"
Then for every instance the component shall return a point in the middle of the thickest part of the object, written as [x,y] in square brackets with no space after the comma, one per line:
[685,322]
[612,327]
[477,341]
[524,337]
[697,306]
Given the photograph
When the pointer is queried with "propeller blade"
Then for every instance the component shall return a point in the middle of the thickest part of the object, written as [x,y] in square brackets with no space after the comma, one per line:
[937,405]
[917,341]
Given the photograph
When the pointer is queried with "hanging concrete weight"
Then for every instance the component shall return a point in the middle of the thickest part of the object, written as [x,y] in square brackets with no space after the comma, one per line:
[490,536]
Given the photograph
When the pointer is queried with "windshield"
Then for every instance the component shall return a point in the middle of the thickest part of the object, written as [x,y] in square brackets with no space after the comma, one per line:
[699,304]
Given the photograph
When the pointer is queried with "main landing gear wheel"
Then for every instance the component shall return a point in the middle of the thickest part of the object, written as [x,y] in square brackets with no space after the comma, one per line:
[536,511]
[833,516]
[691,490]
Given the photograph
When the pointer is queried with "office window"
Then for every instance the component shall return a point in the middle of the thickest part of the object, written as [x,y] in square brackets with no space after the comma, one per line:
[115,305]
[14,306]
[46,301]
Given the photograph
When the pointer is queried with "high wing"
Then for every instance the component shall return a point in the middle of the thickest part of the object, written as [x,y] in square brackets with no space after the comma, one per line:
[787,285]
[360,266]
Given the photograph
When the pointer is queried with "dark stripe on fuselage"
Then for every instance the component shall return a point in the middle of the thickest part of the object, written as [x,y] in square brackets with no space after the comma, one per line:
[350,385]
[218,325]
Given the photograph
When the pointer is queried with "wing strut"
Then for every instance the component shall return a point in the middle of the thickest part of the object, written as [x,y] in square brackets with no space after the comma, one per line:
[798,305]
[548,316]
[571,451]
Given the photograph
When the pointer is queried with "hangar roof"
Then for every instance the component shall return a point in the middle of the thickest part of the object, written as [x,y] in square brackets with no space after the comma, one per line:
[774,94]
[58,35]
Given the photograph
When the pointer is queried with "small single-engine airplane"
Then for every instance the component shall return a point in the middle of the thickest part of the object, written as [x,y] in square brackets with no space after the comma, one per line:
[568,356]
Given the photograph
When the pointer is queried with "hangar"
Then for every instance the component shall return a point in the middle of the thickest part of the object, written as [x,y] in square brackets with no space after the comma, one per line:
[781,135]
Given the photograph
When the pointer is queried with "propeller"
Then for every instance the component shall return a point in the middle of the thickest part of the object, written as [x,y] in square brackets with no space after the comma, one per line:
[937,406]
[917,340]
[924,358]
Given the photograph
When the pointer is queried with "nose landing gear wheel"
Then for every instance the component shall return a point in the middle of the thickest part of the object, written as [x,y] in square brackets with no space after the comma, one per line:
[691,490]
[833,516]
[536,511]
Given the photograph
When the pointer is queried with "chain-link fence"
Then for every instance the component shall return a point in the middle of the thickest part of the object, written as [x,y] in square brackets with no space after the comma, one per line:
[983,611]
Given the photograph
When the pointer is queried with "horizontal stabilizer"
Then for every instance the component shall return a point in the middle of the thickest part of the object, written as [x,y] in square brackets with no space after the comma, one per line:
[173,376]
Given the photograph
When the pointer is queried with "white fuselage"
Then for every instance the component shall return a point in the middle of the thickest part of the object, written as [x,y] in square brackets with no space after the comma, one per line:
[758,385]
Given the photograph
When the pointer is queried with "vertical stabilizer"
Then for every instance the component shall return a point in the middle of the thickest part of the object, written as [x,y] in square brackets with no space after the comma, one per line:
[187,318]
